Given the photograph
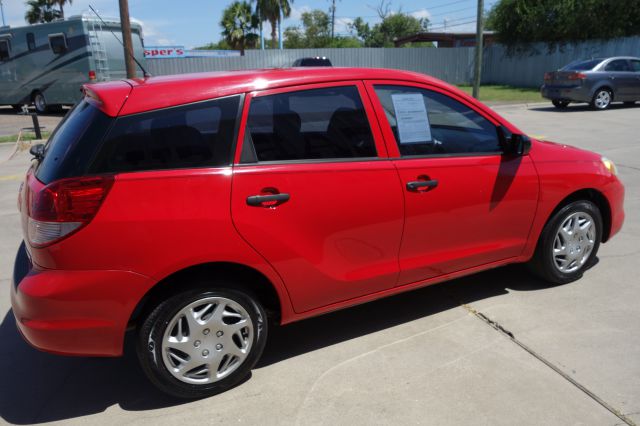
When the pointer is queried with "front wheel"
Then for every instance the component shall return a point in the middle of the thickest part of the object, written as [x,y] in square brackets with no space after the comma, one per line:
[202,342]
[560,104]
[569,243]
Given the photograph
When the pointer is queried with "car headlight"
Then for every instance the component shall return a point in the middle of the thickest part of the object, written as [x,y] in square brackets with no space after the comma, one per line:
[609,165]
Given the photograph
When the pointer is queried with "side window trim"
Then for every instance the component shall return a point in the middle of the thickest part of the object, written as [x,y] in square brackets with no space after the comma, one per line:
[243,153]
[389,138]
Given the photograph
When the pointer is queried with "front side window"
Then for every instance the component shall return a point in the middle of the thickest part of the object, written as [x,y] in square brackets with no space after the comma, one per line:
[430,123]
[31,41]
[617,65]
[328,123]
[4,50]
[58,43]
[190,136]
[635,64]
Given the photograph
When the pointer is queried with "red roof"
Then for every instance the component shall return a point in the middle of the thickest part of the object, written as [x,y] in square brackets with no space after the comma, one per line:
[166,91]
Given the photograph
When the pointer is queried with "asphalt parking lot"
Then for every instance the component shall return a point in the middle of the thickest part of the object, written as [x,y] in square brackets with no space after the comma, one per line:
[424,357]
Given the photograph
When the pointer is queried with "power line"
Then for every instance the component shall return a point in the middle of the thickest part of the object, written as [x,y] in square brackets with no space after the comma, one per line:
[412,11]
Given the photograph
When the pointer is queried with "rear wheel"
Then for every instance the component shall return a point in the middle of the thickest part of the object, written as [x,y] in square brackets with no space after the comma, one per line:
[602,99]
[202,342]
[569,243]
[560,104]
[40,103]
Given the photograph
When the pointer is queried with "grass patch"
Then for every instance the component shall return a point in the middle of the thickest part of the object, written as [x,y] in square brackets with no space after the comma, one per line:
[495,93]
[26,136]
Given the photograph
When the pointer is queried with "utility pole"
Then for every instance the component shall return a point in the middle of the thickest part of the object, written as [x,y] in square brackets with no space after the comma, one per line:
[126,39]
[260,18]
[2,12]
[479,42]
[333,18]
[280,43]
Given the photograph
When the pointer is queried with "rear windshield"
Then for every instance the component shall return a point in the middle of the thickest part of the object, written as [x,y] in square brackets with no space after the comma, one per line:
[582,65]
[73,143]
[315,62]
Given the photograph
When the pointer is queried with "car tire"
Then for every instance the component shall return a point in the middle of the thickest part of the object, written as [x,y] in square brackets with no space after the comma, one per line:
[568,244]
[601,99]
[187,336]
[40,103]
[560,104]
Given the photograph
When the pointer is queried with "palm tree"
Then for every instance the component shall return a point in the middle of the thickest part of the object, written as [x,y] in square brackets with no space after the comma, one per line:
[271,11]
[40,11]
[61,4]
[238,23]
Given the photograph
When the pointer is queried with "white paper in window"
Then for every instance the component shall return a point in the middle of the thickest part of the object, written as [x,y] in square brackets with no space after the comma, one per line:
[411,117]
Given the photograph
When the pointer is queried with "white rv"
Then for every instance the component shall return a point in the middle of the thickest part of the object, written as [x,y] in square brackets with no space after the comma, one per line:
[46,64]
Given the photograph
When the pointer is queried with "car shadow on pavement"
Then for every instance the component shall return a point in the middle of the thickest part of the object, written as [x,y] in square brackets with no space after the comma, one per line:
[37,387]
[581,108]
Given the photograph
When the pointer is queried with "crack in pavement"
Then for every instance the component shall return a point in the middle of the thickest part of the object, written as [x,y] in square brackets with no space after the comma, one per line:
[496,326]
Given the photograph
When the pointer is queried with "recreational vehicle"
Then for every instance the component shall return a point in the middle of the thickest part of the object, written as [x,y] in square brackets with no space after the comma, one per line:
[46,64]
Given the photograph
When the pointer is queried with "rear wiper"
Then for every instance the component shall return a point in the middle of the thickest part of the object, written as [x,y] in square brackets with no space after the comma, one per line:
[37,151]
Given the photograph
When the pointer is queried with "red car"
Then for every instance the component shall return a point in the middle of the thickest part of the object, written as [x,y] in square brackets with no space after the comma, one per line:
[199,209]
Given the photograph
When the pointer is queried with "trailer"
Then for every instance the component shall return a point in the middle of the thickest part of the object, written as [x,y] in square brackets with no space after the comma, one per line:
[47,64]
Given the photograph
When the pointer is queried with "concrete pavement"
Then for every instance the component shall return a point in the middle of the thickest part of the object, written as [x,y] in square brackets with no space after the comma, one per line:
[422,357]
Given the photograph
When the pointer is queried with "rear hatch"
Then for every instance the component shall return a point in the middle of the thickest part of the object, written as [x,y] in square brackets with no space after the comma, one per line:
[58,196]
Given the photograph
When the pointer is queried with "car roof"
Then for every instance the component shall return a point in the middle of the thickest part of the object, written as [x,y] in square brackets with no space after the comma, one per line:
[165,91]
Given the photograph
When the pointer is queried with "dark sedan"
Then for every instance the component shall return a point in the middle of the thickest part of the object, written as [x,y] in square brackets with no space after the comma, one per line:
[598,82]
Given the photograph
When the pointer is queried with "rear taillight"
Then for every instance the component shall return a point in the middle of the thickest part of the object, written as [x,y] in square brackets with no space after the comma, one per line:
[577,76]
[64,206]
[547,76]
[92,75]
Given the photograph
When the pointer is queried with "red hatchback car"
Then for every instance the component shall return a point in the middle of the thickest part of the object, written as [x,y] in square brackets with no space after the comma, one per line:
[197,208]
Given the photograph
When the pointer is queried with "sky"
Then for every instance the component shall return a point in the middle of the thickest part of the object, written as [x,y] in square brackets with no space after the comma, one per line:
[193,23]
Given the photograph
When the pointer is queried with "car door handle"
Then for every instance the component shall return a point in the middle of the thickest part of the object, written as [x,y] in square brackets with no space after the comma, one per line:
[418,184]
[270,200]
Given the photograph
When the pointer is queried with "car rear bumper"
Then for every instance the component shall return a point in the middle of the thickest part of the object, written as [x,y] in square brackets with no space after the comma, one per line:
[74,312]
[563,93]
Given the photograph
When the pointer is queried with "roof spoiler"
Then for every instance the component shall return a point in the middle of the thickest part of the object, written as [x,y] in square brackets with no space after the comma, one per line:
[109,97]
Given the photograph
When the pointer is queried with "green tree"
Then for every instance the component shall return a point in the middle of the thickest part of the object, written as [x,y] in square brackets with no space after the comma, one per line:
[60,4]
[39,11]
[270,10]
[519,23]
[238,23]
[393,26]
[316,33]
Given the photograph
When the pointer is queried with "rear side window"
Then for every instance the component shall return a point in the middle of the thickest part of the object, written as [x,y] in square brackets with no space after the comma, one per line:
[310,124]
[4,50]
[430,123]
[58,43]
[73,143]
[189,136]
[618,65]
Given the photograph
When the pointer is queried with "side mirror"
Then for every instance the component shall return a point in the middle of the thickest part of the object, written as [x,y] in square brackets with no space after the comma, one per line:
[37,151]
[514,143]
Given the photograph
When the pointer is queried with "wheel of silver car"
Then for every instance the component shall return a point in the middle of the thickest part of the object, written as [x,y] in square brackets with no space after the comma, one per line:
[602,99]
[207,340]
[568,243]
[40,103]
[202,342]
[574,241]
